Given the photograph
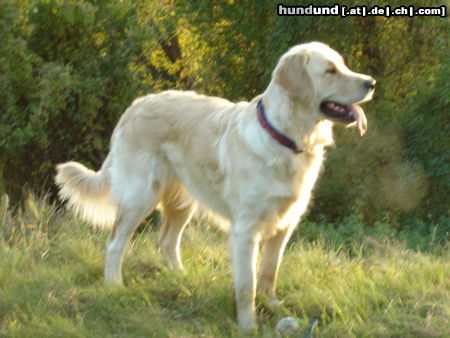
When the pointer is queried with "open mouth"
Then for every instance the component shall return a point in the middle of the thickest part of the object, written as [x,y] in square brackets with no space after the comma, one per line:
[345,113]
[339,112]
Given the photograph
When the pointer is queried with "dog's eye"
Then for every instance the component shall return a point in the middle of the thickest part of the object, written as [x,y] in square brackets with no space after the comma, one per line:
[331,70]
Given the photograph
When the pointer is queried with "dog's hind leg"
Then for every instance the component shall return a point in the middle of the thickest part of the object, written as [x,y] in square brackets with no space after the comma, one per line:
[176,214]
[138,199]
[125,225]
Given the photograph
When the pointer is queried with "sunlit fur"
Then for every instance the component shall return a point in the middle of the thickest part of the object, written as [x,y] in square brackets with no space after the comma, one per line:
[177,150]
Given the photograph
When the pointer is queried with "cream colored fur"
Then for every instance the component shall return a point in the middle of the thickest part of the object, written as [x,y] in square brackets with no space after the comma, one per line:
[178,149]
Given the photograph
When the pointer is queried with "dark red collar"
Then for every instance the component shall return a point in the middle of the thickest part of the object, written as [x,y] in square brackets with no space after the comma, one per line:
[279,137]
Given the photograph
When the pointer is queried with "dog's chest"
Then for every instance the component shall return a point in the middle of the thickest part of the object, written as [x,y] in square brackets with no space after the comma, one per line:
[290,192]
[297,177]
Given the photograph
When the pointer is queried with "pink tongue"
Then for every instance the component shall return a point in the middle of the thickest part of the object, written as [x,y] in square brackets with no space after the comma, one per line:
[360,118]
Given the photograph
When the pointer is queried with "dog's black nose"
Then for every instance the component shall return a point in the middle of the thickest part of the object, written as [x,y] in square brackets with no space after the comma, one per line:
[370,84]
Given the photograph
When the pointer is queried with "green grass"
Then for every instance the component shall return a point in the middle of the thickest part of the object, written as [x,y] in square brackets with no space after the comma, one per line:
[51,285]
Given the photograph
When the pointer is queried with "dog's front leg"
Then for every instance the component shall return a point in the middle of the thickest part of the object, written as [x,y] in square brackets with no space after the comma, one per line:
[272,253]
[244,250]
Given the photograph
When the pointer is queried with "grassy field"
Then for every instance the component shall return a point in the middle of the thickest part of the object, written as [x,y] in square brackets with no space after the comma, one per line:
[51,285]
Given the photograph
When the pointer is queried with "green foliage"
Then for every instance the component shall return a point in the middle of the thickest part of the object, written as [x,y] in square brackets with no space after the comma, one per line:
[426,131]
[417,235]
[51,284]
[66,81]
[68,69]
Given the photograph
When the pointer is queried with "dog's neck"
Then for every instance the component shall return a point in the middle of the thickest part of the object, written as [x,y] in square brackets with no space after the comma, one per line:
[295,119]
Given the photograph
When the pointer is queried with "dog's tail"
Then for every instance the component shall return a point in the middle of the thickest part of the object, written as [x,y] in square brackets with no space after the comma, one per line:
[87,193]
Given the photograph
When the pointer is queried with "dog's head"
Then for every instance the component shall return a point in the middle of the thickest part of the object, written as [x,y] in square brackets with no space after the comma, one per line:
[317,75]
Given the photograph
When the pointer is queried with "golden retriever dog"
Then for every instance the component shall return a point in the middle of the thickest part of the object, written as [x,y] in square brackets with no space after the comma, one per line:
[252,163]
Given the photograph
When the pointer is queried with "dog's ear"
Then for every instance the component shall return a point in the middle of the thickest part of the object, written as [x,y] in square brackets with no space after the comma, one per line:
[293,75]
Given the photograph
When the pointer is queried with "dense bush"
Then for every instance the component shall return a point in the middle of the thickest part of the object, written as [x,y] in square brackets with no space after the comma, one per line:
[68,69]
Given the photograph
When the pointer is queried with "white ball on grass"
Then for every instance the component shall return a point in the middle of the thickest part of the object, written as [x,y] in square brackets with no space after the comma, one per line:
[287,325]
